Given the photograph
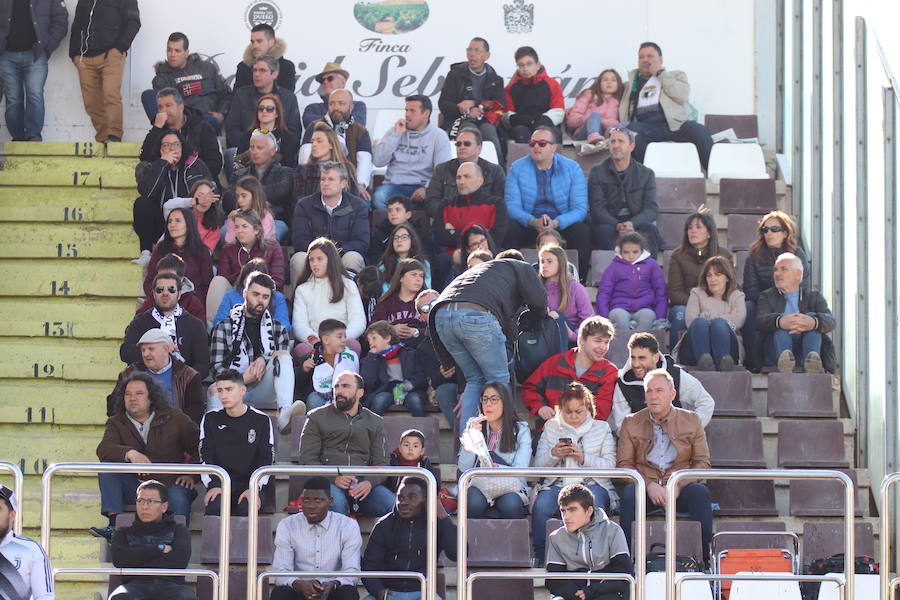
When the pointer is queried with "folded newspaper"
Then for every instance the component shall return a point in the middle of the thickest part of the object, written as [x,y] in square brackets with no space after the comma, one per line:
[728,135]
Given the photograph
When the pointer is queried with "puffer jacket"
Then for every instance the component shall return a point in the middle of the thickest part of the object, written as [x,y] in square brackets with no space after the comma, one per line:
[532,97]
[101,25]
[633,287]
[234,257]
[199,81]
[586,104]
[287,73]
[50,19]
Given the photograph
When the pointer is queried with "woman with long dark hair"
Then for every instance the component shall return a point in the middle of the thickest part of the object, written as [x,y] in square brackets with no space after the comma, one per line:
[403,243]
[269,115]
[324,146]
[183,239]
[398,304]
[596,109]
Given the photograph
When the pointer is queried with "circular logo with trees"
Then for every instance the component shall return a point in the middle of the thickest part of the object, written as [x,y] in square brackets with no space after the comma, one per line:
[391,17]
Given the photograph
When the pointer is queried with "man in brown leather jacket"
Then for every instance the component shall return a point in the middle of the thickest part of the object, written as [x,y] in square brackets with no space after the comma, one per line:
[657,441]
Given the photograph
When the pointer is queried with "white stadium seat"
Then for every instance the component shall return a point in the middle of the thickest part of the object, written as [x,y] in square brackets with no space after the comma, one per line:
[770,590]
[692,590]
[675,160]
[737,161]
[489,152]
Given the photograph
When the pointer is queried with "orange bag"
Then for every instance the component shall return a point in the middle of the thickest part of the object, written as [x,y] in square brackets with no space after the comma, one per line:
[755,561]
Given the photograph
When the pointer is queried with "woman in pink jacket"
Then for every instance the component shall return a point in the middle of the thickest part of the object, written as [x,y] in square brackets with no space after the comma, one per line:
[596,109]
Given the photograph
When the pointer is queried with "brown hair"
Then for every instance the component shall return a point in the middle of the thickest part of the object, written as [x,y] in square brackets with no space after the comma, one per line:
[384,329]
[253,185]
[562,273]
[596,325]
[337,153]
[578,392]
[723,266]
[280,123]
[758,247]
[596,95]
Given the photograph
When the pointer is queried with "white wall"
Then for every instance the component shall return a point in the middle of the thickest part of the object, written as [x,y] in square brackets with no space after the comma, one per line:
[576,39]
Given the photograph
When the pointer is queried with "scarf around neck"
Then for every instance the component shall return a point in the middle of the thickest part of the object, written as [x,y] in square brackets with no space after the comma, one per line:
[241,347]
[168,324]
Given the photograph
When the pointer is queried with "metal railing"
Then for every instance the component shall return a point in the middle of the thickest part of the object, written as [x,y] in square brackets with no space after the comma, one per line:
[155,572]
[19,489]
[888,585]
[672,590]
[260,579]
[836,579]
[133,469]
[638,540]
[253,512]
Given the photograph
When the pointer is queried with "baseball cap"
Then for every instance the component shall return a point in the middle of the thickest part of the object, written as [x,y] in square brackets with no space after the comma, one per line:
[10,496]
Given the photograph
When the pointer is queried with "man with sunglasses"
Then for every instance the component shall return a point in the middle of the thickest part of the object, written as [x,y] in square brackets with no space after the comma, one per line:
[187,332]
[153,541]
[25,570]
[333,77]
[546,190]
[277,180]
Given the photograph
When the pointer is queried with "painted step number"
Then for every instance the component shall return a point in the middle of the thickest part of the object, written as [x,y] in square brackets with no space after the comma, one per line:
[84,148]
[59,288]
[59,328]
[74,213]
[47,370]
[66,251]
[80,177]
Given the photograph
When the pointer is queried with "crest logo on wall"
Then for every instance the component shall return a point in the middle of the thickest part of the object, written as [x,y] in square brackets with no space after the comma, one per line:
[391,17]
[262,12]
[518,17]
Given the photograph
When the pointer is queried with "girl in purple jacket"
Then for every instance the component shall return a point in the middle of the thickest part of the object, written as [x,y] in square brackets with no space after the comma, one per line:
[632,292]
[565,296]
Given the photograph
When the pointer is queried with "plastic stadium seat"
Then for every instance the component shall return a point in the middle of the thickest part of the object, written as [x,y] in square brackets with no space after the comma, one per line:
[743,161]
[748,196]
[491,589]
[745,126]
[515,151]
[770,590]
[736,542]
[489,152]
[297,424]
[864,586]
[740,259]
[679,195]
[667,258]
[823,539]
[732,391]
[800,395]
[743,497]
[383,122]
[735,443]
[742,231]
[820,498]
[811,445]
[395,425]
[499,543]
[600,259]
[687,536]
[691,590]
[618,347]
[671,159]
[209,542]
[671,228]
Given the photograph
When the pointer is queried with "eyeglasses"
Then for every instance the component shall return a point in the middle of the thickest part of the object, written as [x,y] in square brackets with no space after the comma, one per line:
[266,108]
[540,143]
[426,308]
[147,502]
[170,145]
[774,229]
[489,400]
[401,237]
[466,143]
[261,70]
[330,78]
[162,288]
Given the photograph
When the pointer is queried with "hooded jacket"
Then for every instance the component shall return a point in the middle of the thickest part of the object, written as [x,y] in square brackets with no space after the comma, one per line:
[287,75]
[690,394]
[140,546]
[635,191]
[633,287]
[188,392]
[532,97]
[458,87]
[101,25]
[397,544]
[544,386]
[347,225]
[198,134]
[234,256]
[50,20]
[199,82]
[411,156]
[598,546]
[566,183]
[461,212]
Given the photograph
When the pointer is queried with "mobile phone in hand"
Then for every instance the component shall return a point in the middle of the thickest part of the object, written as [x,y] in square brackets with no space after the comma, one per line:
[565,440]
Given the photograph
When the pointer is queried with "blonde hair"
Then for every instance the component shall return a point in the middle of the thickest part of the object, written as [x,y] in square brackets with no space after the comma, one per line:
[562,273]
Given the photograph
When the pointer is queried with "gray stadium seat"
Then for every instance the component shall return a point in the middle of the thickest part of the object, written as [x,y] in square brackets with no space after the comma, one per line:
[823,539]
[515,151]
[499,543]
[735,443]
[820,498]
[676,195]
[741,231]
[687,537]
[600,259]
[740,259]
[430,426]
[736,542]
[618,347]
[746,196]
[811,445]
[745,126]
[732,391]
[209,541]
[800,395]
[491,589]
[743,497]
[671,227]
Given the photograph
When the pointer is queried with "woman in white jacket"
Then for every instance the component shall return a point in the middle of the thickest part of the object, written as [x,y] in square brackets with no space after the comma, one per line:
[325,292]
[572,438]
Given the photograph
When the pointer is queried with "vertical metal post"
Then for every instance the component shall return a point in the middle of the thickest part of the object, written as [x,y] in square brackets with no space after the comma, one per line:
[816,137]
[797,102]
[862,237]
[892,296]
[779,75]
[837,192]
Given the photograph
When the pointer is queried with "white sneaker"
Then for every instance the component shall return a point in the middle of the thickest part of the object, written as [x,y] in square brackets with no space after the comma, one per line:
[297,409]
[143,259]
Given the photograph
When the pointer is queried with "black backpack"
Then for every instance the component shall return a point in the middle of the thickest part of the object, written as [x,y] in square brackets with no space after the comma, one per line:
[538,339]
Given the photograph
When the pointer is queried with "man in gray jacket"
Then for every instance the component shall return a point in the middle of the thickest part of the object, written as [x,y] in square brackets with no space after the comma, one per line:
[345,433]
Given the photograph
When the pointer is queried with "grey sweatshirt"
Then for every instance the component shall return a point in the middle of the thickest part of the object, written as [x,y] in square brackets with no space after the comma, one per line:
[411,157]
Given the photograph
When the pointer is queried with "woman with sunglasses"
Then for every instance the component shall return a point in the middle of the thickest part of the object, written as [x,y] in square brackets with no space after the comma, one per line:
[269,115]
[509,443]
[776,235]
[182,238]
[325,146]
[405,243]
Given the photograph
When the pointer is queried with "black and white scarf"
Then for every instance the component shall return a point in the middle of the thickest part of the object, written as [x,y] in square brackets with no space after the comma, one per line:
[341,127]
[241,347]
[168,325]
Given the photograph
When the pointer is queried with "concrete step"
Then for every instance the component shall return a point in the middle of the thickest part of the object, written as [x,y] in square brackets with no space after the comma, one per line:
[86,177]
[61,149]
[72,402]
[70,165]
[68,240]
[67,205]
[123,149]
[60,359]
[82,318]
[40,445]
[63,277]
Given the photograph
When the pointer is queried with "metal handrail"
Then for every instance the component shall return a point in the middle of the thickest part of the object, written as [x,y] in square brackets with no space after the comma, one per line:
[682,577]
[158,572]
[887,585]
[19,490]
[470,580]
[761,474]
[431,511]
[260,579]
[151,468]
[640,499]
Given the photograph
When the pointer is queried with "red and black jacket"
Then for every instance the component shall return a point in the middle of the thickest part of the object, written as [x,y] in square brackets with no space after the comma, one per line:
[464,211]
[533,96]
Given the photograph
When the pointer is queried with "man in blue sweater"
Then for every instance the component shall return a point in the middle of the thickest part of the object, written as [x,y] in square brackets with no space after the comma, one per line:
[547,191]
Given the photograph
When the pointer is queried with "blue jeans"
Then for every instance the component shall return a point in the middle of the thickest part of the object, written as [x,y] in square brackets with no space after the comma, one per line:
[693,500]
[447,396]
[379,502]
[593,124]
[384,192]
[507,506]
[546,507]
[315,400]
[270,388]
[676,323]
[116,488]
[801,344]
[23,84]
[690,132]
[281,231]
[392,595]
[378,403]
[709,337]
[477,344]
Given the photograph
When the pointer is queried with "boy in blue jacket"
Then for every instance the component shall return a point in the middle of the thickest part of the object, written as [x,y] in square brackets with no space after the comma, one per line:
[391,372]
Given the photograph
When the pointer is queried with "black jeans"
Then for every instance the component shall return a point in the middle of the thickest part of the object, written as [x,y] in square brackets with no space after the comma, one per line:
[577,236]
[690,131]
[148,221]
[522,126]
[286,592]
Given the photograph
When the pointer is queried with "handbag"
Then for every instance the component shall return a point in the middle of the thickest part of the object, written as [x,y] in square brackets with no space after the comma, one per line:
[494,487]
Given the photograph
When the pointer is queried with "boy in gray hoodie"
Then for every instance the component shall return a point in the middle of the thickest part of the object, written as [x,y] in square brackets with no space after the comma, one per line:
[588,541]
[410,151]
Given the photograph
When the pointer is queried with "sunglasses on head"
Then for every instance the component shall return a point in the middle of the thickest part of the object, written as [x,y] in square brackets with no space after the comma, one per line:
[266,108]
[426,308]
[163,288]
[774,229]
[540,143]
[465,143]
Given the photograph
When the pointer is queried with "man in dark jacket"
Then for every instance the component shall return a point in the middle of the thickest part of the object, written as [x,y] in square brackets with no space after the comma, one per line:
[474,320]
[467,87]
[243,102]
[345,221]
[792,322]
[346,433]
[144,429]
[102,33]
[29,33]
[198,80]
[263,41]
[173,113]
[441,379]
[277,180]
[622,195]
[154,541]
[398,541]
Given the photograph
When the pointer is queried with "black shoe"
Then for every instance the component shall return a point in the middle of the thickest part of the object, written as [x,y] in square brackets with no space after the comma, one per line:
[103,532]
[113,138]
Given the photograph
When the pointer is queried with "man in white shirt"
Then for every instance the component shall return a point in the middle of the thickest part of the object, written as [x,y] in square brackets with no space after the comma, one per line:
[317,539]
[24,568]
